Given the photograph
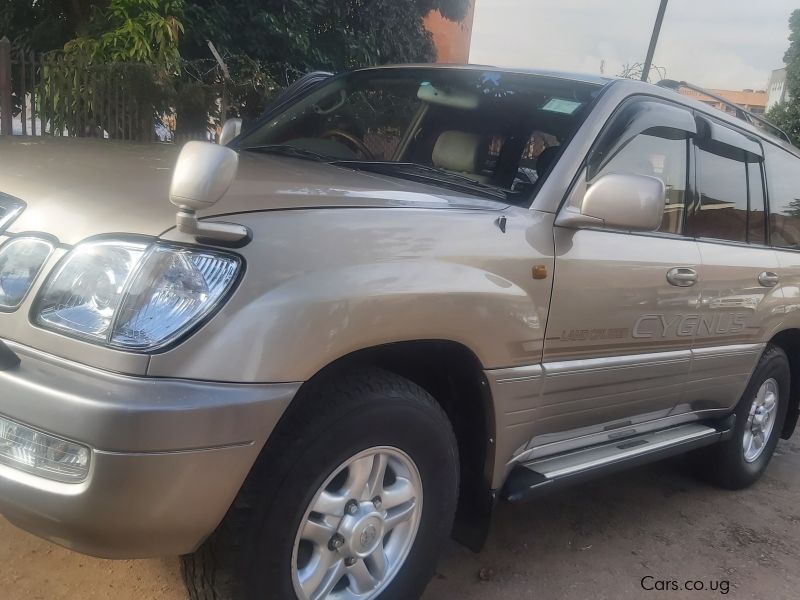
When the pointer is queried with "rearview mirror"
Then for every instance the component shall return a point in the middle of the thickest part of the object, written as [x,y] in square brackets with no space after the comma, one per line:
[618,201]
[230,130]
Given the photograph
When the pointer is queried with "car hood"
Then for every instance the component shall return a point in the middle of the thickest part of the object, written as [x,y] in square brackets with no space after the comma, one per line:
[76,188]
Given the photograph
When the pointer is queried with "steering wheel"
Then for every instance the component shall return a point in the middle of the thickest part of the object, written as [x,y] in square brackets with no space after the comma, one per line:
[352,140]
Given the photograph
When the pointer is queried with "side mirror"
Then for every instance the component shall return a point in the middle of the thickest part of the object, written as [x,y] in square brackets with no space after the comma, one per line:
[230,130]
[202,175]
[618,201]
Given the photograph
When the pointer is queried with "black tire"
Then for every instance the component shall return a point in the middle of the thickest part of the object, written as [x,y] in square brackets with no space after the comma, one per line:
[249,556]
[724,464]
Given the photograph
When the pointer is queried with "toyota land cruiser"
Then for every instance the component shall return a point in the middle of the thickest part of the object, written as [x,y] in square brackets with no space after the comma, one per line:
[402,295]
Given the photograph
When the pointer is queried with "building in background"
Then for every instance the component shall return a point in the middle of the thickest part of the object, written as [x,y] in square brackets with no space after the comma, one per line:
[452,40]
[777,88]
[754,101]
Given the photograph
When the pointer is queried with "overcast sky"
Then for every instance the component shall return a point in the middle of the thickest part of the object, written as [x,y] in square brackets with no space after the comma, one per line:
[731,44]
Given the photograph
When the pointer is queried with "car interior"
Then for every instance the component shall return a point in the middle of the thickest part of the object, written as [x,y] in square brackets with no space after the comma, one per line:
[498,130]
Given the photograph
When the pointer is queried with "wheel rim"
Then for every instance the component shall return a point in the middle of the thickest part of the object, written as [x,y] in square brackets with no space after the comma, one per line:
[359,528]
[760,420]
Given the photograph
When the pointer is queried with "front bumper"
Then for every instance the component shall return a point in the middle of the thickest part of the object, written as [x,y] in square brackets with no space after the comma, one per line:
[167,456]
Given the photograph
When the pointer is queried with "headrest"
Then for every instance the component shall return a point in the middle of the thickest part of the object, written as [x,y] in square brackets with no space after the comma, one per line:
[457,151]
[546,159]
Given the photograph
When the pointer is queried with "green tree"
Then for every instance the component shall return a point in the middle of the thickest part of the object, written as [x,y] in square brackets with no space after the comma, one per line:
[121,52]
[270,43]
[786,115]
[40,26]
[266,43]
[291,37]
[792,56]
[143,31]
[112,30]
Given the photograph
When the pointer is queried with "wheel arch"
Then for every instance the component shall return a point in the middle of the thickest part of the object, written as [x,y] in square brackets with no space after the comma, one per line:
[454,376]
[788,340]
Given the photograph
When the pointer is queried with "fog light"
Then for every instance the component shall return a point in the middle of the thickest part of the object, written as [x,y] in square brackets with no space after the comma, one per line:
[45,455]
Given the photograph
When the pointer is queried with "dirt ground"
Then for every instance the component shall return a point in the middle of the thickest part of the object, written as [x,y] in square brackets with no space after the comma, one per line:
[603,539]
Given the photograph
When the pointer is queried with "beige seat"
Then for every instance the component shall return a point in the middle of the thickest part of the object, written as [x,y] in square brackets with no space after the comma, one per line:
[460,152]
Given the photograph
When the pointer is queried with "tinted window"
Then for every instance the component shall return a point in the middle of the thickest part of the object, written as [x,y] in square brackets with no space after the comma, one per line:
[722,185]
[756,226]
[783,183]
[658,157]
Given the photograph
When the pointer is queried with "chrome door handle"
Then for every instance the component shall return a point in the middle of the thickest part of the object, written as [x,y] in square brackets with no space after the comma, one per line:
[768,279]
[682,276]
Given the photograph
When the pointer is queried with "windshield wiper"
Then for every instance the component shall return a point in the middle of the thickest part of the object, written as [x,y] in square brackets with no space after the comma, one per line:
[289,150]
[424,172]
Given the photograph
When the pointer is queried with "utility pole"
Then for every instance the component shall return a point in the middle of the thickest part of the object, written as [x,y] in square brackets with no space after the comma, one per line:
[654,40]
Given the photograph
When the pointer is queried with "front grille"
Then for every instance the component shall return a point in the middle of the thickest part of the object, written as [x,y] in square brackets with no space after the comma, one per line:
[10,209]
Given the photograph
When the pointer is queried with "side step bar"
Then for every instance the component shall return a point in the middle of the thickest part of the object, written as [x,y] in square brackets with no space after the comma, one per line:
[541,475]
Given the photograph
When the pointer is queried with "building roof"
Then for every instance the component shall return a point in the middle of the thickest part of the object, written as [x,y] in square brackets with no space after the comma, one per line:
[740,97]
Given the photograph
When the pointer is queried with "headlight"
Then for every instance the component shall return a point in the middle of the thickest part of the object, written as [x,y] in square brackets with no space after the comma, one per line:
[133,296]
[83,294]
[21,259]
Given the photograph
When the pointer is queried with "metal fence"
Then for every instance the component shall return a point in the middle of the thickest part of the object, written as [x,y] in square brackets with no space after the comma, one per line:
[51,94]
[5,87]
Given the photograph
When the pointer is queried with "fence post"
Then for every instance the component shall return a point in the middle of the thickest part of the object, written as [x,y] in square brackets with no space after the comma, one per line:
[5,86]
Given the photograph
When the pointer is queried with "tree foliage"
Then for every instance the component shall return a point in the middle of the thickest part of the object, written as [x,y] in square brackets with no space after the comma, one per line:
[160,53]
[269,43]
[119,53]
[144,31]
[792,56]
[295,36]
[786,115]
[41,26]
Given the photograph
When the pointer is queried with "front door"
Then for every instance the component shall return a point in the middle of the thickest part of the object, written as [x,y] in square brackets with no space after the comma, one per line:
[617,348]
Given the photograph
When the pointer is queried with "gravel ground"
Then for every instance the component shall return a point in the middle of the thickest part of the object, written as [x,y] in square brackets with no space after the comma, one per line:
[598,540]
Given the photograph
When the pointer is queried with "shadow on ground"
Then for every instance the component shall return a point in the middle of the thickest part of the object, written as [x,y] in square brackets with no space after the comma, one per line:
[598,540]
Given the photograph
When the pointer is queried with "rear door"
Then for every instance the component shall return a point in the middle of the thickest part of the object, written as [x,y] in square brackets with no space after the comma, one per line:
[783,192]
[741,295]
[616,352]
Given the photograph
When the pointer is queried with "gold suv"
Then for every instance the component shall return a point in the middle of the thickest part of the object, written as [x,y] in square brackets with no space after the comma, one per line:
[302,358]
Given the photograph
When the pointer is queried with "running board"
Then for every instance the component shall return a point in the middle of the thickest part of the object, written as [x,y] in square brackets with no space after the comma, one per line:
[545,474]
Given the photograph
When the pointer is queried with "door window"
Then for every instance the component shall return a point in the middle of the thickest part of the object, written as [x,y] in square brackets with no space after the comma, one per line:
[722,185]
[656,156]
[783,183]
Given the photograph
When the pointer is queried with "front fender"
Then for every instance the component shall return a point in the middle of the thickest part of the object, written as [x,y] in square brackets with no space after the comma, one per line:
[321,284]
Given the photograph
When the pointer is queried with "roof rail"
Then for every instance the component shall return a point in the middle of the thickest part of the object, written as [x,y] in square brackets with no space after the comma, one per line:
[741,113]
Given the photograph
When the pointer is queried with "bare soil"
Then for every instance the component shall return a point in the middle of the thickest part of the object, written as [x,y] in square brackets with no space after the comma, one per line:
[601,540]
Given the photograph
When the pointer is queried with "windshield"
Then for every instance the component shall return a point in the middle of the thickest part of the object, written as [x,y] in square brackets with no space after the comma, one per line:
[482,129]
